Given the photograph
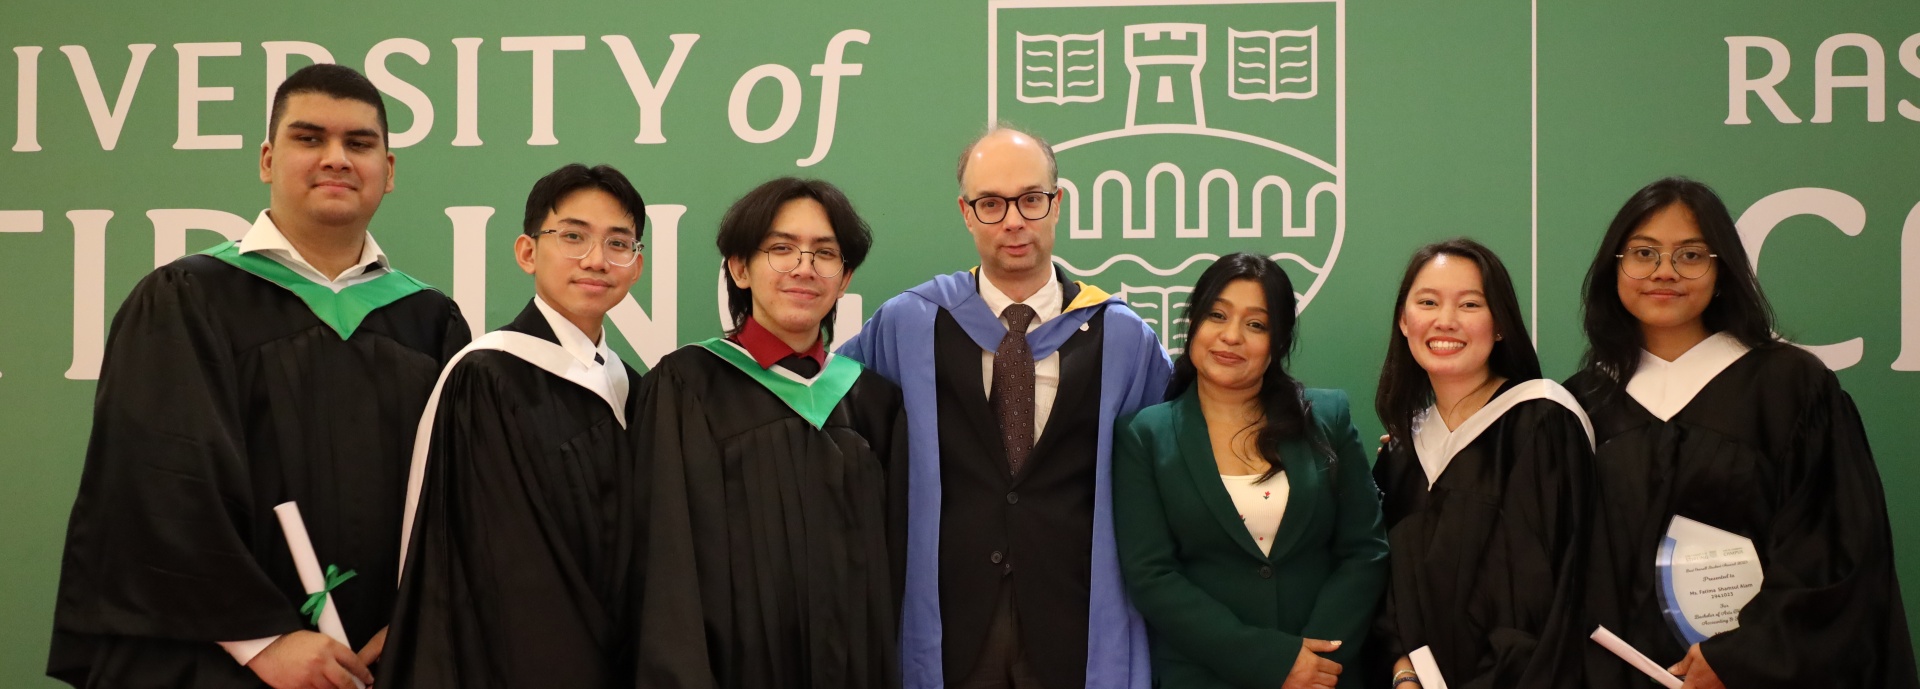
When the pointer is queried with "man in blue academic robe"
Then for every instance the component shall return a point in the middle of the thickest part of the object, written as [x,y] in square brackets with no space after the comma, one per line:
[1011,577]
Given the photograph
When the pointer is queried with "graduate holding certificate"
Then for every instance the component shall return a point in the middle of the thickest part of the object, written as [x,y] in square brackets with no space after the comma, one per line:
[521,566]
[773,536]
[290,365]
[1485,485]
[1740,528]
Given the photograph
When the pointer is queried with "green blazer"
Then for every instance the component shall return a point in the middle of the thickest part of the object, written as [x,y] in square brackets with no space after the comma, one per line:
[1218,612]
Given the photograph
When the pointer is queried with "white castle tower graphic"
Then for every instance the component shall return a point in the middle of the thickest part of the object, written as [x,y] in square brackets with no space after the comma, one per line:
[1263,195]
[1165,55]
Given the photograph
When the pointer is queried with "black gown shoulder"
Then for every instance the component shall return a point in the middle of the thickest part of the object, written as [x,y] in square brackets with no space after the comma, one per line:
[1772,449]
[773,550]
[220,396]
[1487,563]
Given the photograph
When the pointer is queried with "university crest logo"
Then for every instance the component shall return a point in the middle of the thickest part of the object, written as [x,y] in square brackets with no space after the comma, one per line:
[1184,131]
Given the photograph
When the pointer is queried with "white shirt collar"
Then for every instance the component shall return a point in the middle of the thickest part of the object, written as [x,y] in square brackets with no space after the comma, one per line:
[1665,387]
[1047,302]
[266,238]
[574,340]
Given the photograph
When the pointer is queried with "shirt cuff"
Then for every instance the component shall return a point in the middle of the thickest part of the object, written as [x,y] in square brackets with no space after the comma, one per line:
[244,651]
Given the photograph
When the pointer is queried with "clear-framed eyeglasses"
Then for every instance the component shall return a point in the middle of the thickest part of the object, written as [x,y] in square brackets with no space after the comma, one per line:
[575,244]
[785,258]
[1690,262]
[1033,205]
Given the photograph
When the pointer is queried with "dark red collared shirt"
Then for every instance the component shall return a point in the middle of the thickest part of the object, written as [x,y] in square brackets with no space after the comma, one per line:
[767,349]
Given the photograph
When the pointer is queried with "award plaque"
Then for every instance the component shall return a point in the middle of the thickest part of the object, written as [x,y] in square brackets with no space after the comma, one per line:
[1706,576]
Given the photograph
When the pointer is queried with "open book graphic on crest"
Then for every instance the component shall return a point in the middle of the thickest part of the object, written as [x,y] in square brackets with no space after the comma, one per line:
[1069,68]
[1272,65]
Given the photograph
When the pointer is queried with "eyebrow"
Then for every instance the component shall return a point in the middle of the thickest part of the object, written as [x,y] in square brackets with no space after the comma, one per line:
[783,235]
[1022,191]
[1701,241]
[576,222]
[1424,291]
[311,127]
[1217,303]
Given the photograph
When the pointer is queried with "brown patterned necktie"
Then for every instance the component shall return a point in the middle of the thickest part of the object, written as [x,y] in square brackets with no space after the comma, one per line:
[1012,397]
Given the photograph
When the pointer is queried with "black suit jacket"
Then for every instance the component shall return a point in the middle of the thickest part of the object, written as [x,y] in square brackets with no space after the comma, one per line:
[1032,531]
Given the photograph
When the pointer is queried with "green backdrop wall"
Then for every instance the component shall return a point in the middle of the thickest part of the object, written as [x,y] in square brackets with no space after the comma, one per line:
[1335,135]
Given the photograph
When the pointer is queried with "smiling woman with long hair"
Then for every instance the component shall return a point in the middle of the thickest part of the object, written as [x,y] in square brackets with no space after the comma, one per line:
[1484,484]
[1701,413]
[1248,528]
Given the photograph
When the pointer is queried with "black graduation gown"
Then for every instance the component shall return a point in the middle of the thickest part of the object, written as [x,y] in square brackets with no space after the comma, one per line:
[1485,566]
[521,568]
[773,550]
[1772,449]
[222,395]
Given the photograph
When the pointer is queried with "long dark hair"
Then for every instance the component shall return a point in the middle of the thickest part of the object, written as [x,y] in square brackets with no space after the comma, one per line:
[1738,307]
[1405,388]
[750,219]
[1282,405]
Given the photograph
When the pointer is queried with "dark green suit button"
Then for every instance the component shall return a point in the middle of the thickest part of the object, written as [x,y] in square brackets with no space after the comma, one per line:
[996,557]
[1266,572]
[1013,498]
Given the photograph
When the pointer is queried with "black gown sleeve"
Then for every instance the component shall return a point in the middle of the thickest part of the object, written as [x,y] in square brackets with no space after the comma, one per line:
[674,437]
[1539,641]
[894,458]
[1829,613]
[1383,648]
[157,545]
[485,602]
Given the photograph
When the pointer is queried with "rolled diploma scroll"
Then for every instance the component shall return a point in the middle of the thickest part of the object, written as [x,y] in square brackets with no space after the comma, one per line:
[1634,657]
[311,578]
[1426,668]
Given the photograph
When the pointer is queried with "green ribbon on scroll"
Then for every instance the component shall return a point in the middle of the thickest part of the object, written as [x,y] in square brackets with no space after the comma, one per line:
[317,601]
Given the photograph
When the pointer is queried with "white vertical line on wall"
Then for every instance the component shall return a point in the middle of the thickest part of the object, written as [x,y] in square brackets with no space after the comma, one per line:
[993,62]
[1533,165]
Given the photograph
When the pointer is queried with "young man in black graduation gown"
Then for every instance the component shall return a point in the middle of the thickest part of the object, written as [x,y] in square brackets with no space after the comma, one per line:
[772,538]
[521,561]
[288,366]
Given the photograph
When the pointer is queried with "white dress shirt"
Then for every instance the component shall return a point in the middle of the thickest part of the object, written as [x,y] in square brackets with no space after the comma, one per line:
[265,238]
[1047,303]
[606,375]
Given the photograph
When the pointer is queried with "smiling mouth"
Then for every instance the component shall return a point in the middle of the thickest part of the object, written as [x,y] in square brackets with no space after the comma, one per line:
[1226,357]
[1445,346]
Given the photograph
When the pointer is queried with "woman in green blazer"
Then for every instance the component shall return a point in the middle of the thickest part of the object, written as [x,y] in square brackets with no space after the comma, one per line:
[1248,526]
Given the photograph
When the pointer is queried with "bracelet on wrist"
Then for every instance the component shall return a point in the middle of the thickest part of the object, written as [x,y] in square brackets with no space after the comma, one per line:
[1409,679]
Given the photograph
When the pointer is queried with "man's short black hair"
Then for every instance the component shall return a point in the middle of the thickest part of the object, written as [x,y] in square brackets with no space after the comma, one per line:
[750,220]
[559,184]
[332,80]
